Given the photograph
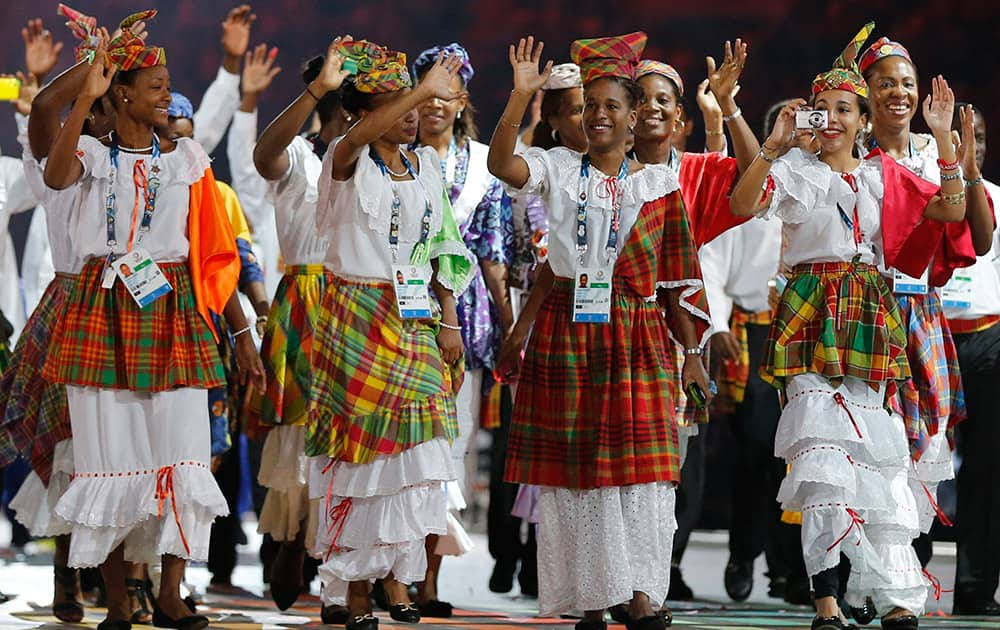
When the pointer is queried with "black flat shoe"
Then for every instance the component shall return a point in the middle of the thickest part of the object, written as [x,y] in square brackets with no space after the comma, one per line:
[191,622]
[588,624]
[652,622]
[69,611]
[118,624]
[502,578]
[903,622]
[406,613]
[334,615]
[738,580]
[976,607]
[827,623]
[866,613]
[437,609]
[679,590]
[620,614]
[137,589]
[364,622]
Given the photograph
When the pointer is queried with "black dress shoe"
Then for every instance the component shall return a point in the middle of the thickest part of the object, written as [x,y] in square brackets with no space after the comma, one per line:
[903,622]
[363,622]
[436,608]
[739,579]
[652,622]
[827,623]
[334,615]
[406,613]
[191,622]
[590,624]
[502,578]
[679,591]
[118,624]
[620,614]
[976,607]
[866,613]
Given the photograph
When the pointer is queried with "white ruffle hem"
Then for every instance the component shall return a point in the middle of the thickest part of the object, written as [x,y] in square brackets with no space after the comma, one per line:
[34,502]
[284,471]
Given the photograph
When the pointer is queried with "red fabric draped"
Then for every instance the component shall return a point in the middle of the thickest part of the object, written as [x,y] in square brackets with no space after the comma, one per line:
[706,181]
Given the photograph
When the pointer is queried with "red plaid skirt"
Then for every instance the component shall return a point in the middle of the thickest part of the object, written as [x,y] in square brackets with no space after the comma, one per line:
[105,340]
[35,415]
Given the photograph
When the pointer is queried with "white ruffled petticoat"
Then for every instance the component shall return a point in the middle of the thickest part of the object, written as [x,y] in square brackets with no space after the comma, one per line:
[598,546]
[374,518]
[34,502]
[142,475]
[284,471]
[935,465]
[849,460]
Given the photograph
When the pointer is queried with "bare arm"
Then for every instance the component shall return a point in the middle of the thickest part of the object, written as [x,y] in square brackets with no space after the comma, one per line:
[43,124]
[711,113]
[939,110]
[978,211]
[247,358]
[449,338]
[501,161]
[495,275]
[725,86]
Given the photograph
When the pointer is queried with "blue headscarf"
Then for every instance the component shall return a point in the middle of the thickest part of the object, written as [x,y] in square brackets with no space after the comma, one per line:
[426,58]
[180,106]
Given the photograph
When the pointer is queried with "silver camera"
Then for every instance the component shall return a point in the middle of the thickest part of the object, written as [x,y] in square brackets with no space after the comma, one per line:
[816,119]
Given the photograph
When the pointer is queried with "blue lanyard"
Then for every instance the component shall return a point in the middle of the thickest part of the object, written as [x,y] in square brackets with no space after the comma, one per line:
[425,224]
[615,190]
[152,186]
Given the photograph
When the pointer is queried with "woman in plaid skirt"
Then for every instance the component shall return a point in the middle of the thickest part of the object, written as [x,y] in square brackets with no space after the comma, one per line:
[593,421]
[382,409]
[137,376]
[837,342]
[932,401]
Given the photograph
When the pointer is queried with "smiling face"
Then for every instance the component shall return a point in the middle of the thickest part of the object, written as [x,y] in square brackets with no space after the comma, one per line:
[659,109]
[608,114]
[144,96]
[892,88]
[567,122]
[437,116]
[846,120]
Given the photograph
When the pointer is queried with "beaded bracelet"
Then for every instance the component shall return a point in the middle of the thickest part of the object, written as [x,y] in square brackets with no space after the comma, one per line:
[449,326]
[947,166]
[733,116]
[241,331]
[969,183]
[709,132]
[950,177]
[953,199]
[696,351]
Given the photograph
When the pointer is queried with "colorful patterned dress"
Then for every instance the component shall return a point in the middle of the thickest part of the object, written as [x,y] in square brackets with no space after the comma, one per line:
[136,379]
[382,410]
[593,417]
[837,348]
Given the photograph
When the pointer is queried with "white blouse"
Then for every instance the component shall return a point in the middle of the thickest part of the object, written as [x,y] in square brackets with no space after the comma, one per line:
[166,240]
[57,213]
[354,215]
[555,176]
[294,198]
[806,198]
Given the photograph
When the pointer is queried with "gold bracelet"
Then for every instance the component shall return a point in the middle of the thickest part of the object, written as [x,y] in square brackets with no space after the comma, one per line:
[516,125]
[709,132]
[953,199]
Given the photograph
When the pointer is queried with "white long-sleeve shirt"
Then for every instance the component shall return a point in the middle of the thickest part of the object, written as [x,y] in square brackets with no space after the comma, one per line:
[220,102]
[736,267]
[983,276]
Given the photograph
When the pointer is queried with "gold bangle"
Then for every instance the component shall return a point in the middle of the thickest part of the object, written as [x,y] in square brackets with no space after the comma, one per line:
[516,125]
[709,132]
[954,198]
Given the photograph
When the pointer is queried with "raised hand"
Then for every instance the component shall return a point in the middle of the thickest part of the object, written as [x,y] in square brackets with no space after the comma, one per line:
[99,78]
[524,59]
[437,82]
[332,76]
[939,107]
[41,54]
[29,89]
[707,103]
[236,30]
[966,145]
[724,80]
[784,135]
[259,69]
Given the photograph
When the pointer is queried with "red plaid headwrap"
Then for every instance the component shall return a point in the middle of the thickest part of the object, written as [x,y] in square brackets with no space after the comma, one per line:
[882,48]
[649,66]
[845,74]
[615,56]
[128,52]
[83,28]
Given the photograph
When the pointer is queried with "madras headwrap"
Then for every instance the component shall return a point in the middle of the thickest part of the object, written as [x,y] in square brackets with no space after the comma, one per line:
[389,75]
[129,52]
[427,58]
[180,106]
[615,56]
[362,52]
[563,76]
[882,48]
[649,66]
[845,74]
[83,28]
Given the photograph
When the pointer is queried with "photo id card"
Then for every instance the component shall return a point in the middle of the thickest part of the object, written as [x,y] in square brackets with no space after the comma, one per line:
[957,293]
[412,298]
[592,295]
[142,277]
[906,285]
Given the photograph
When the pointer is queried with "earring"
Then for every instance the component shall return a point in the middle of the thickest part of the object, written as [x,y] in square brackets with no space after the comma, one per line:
[459,117]
[555,137]
[125,98]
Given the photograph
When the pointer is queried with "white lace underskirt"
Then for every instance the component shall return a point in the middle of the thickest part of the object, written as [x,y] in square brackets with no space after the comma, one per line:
[141,468]
[598,546]
[34,502]
[284,471]
[849,460]
[934,466]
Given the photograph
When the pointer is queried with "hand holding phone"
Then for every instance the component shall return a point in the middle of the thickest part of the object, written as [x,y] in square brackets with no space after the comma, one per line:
[10,88]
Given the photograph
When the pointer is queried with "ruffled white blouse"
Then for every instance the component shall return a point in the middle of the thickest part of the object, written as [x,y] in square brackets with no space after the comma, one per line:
[294,198]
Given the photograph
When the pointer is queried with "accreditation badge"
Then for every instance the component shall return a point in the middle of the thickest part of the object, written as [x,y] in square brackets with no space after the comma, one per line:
[412,297]
[592,295]
[957,293]
[903,284]
[142,277]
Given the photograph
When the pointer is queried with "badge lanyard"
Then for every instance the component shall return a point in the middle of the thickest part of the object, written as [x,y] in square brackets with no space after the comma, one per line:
[151,186]
[853,224]
[614,187]
[425,224]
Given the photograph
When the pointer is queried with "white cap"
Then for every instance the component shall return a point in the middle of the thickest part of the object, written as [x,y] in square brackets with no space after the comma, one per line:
[564,75]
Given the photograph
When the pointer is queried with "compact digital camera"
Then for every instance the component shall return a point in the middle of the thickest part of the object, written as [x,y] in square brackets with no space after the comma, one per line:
[815,119]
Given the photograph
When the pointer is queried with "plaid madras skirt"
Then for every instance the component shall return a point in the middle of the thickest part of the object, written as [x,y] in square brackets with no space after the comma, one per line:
[594,402]
[287,347]
[104,340]
[733,375]
[379,384]
[837,319]
[35,415]
[934,394]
